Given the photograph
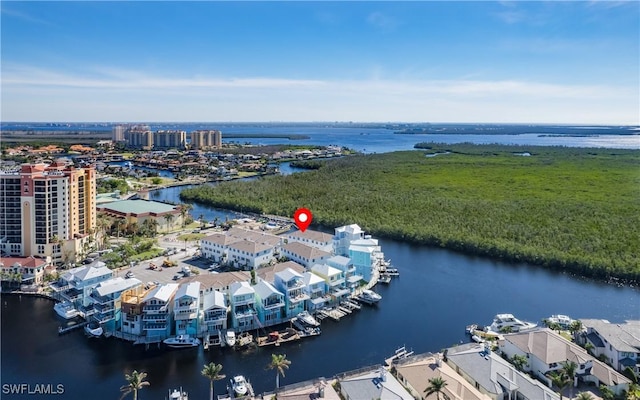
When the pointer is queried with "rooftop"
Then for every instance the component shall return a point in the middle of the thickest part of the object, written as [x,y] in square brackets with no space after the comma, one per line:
[268,273]
[214,299]
[190,289]
[135,207]
[249,246]
[325,270]
[376,383]
[264,289]
[116,285]
[623,337]
[314,236]
[28,262]
[304,251]
[218,281]
[162,292]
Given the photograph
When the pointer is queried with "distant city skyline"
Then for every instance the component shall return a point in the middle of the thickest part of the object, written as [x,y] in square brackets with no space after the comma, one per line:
[500,62]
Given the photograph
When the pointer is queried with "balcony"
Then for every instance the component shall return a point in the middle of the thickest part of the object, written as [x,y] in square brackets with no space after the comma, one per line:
[298,298]
[155,327]
[103,318]
[337,282]
[272,305]
[101,299]
[155,318]
[296,283]
[72,294]
[104,308]
[155,310]
[245,313]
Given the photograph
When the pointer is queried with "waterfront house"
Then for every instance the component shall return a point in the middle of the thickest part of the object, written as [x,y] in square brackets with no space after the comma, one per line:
[215,247]
[547,351]
[76,284]
[292,285]
[132,305]
[158,312]
[270,304]
[334,281]
[221,282]
[106,298]
[345,265]
[214,306]
[366,256]
[343,237]
[319,240]
[268,273]
[415,372]
[316,290]
[619,344]
[493,376]
[303,254]
[243,308]
[247,254]
[22,270]
[186,308]
[371,383]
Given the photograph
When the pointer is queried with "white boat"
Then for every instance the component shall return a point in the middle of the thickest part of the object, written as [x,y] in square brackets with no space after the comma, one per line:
[230,338]
[93,329]
[503,323]
[477,339]
[370,297]
[307,319]
[178,395]
[65,310]
[240,387]
[564,321]
[182,342]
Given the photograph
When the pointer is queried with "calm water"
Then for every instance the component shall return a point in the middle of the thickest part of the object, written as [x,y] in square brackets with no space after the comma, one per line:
[426,309]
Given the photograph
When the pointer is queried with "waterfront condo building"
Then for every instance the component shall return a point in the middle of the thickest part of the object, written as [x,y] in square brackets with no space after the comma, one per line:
[139,137]
[269,304]
[169,139]
[243,307]
[107,302]
[158,312]
[291,283]
[47,210]
[206,140]
[117,133]
[214,306]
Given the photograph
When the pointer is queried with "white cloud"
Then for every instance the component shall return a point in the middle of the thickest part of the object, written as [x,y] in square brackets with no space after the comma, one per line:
[112,94]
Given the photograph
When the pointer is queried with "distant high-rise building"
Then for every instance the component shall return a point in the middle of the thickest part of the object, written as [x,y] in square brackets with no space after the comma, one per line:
[117,133]
[139,136]
[48,210]
[206,140]
[169,139]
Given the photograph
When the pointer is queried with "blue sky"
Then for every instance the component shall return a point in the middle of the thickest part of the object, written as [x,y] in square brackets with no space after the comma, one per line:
[540,62]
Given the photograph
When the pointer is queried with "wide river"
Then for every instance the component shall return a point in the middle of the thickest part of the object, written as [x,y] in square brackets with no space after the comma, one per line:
[425,309]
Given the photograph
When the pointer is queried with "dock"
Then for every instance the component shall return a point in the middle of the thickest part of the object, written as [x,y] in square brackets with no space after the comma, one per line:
[277,338]
[333,313]
[70,328]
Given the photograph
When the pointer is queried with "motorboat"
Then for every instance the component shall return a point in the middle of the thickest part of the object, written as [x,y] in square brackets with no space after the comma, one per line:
[369,297]
[182,342]
[178,395]
[505,323]
[307,319]
[93,329]
[230,338]
[477,339]
[240,387]
[564,321]
[65,310]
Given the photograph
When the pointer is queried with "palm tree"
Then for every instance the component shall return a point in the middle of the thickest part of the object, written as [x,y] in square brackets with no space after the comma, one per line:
[184,211]
[569,369]
[201,220]
[212,372]
[633,393]
[436,385]
[560,380]
[279,362]
[519,361]
[168,218]
[584,396]
[136,382]
[606,393]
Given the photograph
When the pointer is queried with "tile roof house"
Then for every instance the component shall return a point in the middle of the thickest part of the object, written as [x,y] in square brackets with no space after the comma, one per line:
[493,376]
[319,240]
[619,343]
[414,373]
[371,383]
[547,351]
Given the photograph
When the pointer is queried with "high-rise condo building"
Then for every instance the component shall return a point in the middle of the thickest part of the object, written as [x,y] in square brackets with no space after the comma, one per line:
[47,210]
[117,133]
[206,140]
[169,139]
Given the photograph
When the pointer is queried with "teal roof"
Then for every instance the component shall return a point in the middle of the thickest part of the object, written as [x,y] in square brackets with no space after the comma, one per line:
[138,207]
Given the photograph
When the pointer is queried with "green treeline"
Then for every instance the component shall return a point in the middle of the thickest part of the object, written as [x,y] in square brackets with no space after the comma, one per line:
[571,209]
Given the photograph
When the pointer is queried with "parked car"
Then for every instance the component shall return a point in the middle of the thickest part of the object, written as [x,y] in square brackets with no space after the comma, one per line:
[129,275]
[176,277]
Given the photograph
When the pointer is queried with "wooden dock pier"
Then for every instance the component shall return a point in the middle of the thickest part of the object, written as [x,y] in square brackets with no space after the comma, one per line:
[70,328]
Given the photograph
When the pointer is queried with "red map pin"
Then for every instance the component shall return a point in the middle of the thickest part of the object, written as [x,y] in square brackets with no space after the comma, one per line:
[303,218]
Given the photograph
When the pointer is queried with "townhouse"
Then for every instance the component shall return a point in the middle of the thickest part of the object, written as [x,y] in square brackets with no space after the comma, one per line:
[334,281]
[319,240]
[291,283]
[243,307]
[158,312]
[186,309]
[303,254]
[270,304]
[75,285]
[214,307]
[249,255]
[107,304]
[316,290]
